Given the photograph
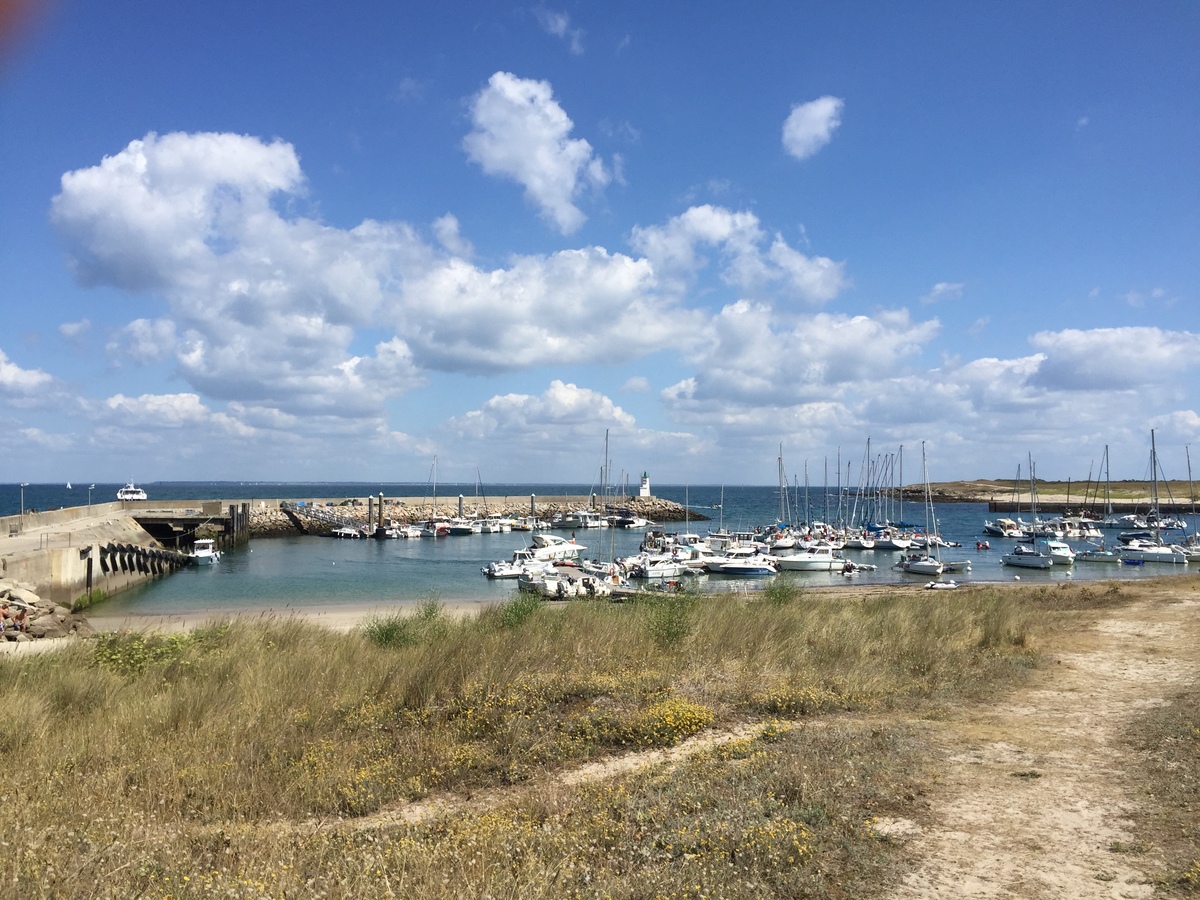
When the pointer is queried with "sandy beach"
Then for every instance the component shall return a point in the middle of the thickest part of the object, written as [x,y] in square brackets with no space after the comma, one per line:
[341,617]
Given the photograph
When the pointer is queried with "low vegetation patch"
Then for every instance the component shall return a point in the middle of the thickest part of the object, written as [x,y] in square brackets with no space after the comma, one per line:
[243,760]
[1167,741]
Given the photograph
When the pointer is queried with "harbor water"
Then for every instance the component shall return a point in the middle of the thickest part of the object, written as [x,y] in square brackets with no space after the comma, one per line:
[306,572]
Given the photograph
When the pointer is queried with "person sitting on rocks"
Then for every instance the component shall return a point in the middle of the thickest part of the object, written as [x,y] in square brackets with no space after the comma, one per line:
[21,619]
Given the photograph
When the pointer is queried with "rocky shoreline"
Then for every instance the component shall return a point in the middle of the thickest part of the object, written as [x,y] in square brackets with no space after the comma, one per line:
[46,619]
[271,521]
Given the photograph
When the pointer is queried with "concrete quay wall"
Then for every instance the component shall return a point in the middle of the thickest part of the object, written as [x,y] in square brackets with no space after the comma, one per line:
[79,553]
[55,563]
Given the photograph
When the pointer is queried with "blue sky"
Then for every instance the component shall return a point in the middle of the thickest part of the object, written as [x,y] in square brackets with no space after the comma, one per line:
[308,241]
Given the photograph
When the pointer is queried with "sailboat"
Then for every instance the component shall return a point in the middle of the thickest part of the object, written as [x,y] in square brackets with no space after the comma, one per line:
[1138,551]
[1029,556]
[435,525]
[1099,553]
[923,563]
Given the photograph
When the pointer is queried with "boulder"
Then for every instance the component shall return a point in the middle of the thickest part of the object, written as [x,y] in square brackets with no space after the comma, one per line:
[22,595]
[81,628]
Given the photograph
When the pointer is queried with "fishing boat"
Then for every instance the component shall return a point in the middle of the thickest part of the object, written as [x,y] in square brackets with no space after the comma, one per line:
[205,552]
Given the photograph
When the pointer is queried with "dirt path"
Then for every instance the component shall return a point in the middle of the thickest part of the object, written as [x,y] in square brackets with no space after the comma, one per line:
[1032,796]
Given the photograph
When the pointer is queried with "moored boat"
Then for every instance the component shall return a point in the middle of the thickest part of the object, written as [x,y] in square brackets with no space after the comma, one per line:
[205,551]
[820,558]
[1025,556]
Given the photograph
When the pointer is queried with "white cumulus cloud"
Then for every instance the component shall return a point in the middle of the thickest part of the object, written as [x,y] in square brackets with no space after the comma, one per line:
[810,126]
[16,382]
[520,132]
[1115,358]
[747,261]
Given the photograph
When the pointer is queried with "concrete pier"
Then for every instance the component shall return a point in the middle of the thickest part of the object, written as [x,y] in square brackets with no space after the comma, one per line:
[75,555]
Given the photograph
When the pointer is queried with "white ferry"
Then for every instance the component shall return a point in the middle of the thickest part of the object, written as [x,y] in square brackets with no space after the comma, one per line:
[131,492]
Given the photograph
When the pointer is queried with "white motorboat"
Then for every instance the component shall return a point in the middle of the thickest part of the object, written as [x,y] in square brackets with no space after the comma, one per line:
[647,565]
[131,492]
[1128,522]
[435,528]
[523,562]
[205,551]
[820,558]
[757,566]
[1060,551]
[568,520]
[346,532]
[714,563]
[551,546]
[1003,528]
[464,526]
[1147,552]
[559,586]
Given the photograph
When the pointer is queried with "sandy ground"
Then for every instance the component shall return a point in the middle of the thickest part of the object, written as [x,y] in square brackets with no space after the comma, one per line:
[339,618]
[1033,794]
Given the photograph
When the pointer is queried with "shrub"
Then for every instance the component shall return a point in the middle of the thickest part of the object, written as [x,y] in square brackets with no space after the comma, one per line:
[782,591]
[520,609]
[394,630]
[669,621]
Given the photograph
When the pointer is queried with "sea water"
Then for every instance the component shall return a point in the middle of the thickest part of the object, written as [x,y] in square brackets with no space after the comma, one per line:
[304,572]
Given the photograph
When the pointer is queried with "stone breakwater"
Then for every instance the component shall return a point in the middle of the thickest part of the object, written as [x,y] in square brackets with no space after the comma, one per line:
[271,521]
[45,618]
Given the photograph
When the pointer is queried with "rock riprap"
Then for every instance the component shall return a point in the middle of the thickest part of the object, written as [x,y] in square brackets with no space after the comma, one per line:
[46,619]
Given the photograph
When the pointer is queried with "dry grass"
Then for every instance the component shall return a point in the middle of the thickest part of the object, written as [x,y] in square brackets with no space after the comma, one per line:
[1167,741]
[239,761]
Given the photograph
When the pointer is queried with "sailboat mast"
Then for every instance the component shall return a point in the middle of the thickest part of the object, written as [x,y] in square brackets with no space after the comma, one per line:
[930,523]
[782,489]
[807,508]
[1153,476]
[1187,451]
[825,493]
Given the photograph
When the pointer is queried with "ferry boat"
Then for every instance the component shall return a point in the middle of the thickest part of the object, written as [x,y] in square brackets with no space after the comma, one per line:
[131,492]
